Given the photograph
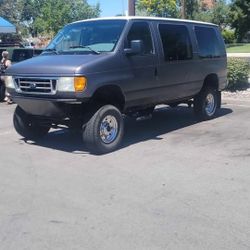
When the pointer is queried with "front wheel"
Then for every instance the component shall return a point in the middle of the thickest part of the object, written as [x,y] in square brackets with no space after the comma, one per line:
[104,131]
[206,103]
[27,126]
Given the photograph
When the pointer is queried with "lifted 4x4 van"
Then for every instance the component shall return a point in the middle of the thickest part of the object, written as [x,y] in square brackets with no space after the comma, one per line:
[95,71]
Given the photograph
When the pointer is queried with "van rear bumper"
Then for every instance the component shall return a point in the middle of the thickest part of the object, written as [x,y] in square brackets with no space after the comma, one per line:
[46,107]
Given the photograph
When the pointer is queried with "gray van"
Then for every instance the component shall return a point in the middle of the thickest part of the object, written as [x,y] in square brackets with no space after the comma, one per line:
[96,71]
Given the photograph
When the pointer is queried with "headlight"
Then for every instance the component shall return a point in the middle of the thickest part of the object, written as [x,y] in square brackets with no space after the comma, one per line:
[9,82]
[65,84]
[71,84]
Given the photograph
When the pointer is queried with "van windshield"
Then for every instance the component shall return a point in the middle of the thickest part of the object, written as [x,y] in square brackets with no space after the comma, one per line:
[87,37]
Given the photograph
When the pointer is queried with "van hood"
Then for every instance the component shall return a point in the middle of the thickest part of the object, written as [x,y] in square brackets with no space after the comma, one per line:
[53,65]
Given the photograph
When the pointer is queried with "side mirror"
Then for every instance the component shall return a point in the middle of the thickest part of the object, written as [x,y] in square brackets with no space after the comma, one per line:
[137,48]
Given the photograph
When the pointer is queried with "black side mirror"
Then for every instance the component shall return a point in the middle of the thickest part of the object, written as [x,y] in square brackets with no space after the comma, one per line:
[137,48]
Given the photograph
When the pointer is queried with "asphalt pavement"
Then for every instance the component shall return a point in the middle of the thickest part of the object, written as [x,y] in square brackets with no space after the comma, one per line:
[175,184]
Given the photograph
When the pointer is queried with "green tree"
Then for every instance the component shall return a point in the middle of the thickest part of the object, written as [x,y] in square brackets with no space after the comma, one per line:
[219,14]
[46,16]
[29,14]
[240,13]
[192,7]
[188,8]
[163,8]
[54,14]
[11,10]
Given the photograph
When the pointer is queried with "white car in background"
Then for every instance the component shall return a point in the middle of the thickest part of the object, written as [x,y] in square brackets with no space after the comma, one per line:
[28,44]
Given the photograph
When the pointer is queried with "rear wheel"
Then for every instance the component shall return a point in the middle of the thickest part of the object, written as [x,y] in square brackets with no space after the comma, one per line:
[2,92]
[104,131]
[206,103]
[27,126]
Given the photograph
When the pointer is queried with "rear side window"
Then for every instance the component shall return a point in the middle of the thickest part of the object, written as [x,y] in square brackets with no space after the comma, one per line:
[208,42]
[141,31]
[176,42]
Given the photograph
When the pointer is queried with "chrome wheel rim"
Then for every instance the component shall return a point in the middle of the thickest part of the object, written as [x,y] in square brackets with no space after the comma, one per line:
[108,129]
[210,104]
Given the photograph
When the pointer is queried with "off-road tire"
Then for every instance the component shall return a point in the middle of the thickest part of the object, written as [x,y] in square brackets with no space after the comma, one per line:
[201,103]
[91,131]
[26,126]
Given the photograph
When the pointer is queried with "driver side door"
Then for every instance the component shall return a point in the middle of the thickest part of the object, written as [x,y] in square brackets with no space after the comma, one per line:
[140,88]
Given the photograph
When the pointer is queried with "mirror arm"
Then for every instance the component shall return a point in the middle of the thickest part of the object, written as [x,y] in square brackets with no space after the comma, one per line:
[128,51]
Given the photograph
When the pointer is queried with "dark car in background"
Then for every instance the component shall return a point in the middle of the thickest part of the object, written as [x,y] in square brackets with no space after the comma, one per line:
[16,55]
[96,71]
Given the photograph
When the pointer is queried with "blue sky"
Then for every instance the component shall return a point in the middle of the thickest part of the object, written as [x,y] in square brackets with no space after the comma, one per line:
[111,7]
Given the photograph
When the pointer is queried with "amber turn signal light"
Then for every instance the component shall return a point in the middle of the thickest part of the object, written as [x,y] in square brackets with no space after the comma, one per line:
[80,83]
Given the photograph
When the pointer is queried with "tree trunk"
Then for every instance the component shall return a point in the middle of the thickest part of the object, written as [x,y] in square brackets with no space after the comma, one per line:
[183,9]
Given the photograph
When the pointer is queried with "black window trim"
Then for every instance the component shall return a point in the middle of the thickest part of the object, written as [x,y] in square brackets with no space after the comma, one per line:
[197,43]
[189,36]
[149,23]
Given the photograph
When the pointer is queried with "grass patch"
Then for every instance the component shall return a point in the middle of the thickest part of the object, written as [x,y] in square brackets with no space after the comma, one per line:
[244,48]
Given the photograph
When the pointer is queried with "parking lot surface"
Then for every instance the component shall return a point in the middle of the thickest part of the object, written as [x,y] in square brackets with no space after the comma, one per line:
[175,184]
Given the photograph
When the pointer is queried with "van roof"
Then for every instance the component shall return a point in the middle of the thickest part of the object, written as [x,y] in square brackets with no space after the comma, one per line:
[147,18]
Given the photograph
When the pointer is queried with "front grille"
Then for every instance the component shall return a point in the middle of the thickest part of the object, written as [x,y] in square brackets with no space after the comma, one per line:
[43,86]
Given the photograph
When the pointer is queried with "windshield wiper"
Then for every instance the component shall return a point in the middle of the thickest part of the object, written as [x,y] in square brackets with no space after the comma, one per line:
[51,50]
[85,47]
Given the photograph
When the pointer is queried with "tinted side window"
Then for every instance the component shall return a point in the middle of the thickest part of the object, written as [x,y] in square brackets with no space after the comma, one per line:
[141,31]
[208,42]
[176,42]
